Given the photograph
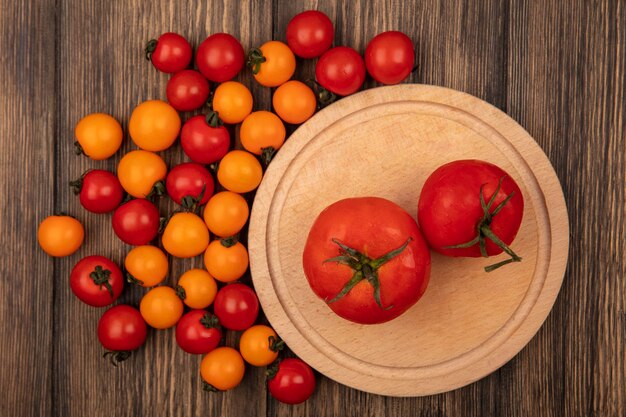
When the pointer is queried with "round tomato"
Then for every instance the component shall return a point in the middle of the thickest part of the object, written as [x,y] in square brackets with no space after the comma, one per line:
[138,172]
[136,222]
[198,332]
[232,101]
[389,57]
[272,64]
[98,136]
[189,184]
[185,235]
[222,369]
[310,34]
[340,70]
[259,345]
[262,133]
[99,191]
[60,235]
[471,208]
[226,259]
[154,125]
[220,57]
[226,213]
[204,139]
[161,308]
[196,288]
[366,258]
[120,330]
[291,382]
[239,171]
[294,102]
[96,281]
[170,53]
[187,90]
[237,306]
[146,265]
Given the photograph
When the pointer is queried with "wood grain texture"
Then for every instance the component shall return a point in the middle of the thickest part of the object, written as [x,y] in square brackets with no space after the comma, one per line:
[558,68]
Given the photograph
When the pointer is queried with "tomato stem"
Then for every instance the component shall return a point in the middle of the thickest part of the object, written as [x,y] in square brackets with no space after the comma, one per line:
[276,344]
[208,387]
[191,203]
[271,370]
[117,356]
[157,190]
[213,119]
[78,150]
[132,280]
[267,154]
[180,292]
[150,48]
[227,242]
[101,277]
[255,59]
[210,321]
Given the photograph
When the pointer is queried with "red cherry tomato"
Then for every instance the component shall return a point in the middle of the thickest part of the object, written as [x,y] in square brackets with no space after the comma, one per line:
[310,34]
[189,179]
[99,191]
[170,53]
[187,90]
[122,329]
[204,142]
[293,382]
[340,70]
[236,306]
[96,281]
[198,332]
[136,222]
[389,57]
[220,57]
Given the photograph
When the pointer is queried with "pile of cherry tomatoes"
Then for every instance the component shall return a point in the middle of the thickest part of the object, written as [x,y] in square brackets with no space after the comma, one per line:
[211,215]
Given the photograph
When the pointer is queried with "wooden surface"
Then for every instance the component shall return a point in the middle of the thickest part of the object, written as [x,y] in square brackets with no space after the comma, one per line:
[555,67]
[468,323]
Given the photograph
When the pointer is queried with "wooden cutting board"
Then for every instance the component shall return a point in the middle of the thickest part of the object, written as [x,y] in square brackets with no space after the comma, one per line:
[385,142]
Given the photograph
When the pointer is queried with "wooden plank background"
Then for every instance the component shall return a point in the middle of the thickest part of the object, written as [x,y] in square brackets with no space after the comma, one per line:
[556,67]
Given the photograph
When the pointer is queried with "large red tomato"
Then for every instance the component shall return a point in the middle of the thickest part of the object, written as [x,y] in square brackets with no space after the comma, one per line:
[136,222]
[220,57]
[389,57]
[367,259]
[340,70]
[96,281]
[204,139]
[189,184]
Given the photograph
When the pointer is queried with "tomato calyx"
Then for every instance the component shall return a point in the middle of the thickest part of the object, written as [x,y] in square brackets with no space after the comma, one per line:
[230,241]
[190,203]
[150,48]
[78,150]
[364,268]
[267,154]
[324,97]
[213,119]
[208,387]
[276,344]
[101,277]
[255,59]
[132,280]
[210,321]
[180,292]
[272,370]
[117,356]
[157,190]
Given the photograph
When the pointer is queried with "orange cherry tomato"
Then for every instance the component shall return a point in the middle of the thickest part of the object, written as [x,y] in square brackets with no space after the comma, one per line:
[199,288]
[154,125]
[259,345]
[138,171]
[222,368]
[161,308]
[147,265]
[226,213]
[185,235]
[239,171]
[232,101]
[99,135]
[294,102]
[226,261]
[60,235]
[262,133]
[272,64]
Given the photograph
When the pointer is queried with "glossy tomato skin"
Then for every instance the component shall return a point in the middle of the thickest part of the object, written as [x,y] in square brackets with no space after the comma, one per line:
[310,34]
[99,135]
[86,287]
[340,70]
[203,143]
[449,207]
[189,179]
[122,328]
[220,57]
[195,337]
[136,222]
[373,226]
[293,383]
[187,90]
[60,235]
[237,306]
[389,57]
[172,53]
[101,191]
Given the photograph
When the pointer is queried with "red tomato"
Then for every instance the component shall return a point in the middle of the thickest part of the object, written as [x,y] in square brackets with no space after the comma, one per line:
[367,259]
[451,215]
[310,34]
[189,180]
[99,191]
[204,142]
[292,382]
[136,222]
[340,70]
[220,57]
[187,90]
[198,332]
[122,329]
[389,57]
[236,306]
[96,281]
[170,53]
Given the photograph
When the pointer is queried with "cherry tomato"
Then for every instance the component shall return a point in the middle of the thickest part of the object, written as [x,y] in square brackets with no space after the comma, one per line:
[232,101]
[138,171]
[60,235]
[99,135]
[170,53]
[293,382]
[310,34]
[96,281]
[99,191]
[220,57]
[294,102]
[204,139]
[272,64]
[259,345]
[189,180]
[187,90]
[161,308]
[197,288]
[389,57]
[222,368]
[154,125]
[147,265]
[198,332]
[226,213]
[136,222]
[226,260]
[262,133]
[237,306]
[340,70]
[185,235]
[121,328]
[239,171]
